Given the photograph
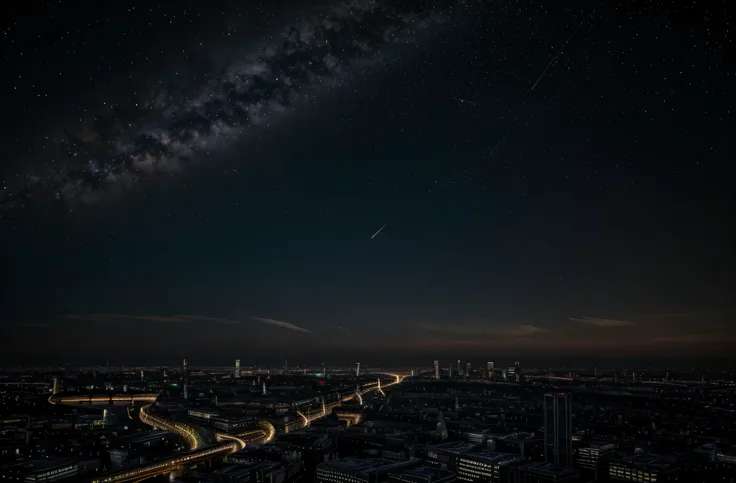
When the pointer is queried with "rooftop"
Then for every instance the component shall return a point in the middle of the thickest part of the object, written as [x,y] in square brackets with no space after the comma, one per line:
[46,464]
[549,469]
[363,465]
[495,458]
[643,460]
[423,472]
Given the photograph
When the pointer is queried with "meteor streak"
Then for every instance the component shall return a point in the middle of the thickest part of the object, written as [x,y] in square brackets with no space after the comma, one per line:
[496,146]
[465,101]
[557,55]
[379,231]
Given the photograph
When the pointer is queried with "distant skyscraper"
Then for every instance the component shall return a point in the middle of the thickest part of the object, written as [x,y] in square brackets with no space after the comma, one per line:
[518,373]
[142,377]
[286,366]
[186,378]
[436,369]
[56,385]
[558,429]
[237,368]
[442,427]
[489,369]
[264,388]
[357,370]
[467,369]
[459,368]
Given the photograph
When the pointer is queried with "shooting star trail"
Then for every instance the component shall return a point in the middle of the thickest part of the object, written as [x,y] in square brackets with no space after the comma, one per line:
[557,55]
[465,101]
[497,145]
[379,231]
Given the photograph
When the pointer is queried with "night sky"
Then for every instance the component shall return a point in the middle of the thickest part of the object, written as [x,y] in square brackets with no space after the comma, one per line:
[204,180]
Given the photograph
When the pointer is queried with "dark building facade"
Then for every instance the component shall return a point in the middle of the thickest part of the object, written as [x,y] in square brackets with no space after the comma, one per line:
[558,429]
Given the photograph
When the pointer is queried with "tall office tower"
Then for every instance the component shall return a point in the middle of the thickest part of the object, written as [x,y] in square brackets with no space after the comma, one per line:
[558,429]
[459,368]
[449,371]
[237,368]
[264,388]
[186,379]
[286,366]
[436,369]
[489,369]
[142,376]
[467,369]
[56,385]
[324,371]
[357,370]
[518,372]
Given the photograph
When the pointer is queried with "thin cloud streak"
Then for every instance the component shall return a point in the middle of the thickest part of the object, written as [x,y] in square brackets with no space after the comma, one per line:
[343,328]
[210,319]
[123,317]
[492,330]
[693,338]
[281,323]
[597,322]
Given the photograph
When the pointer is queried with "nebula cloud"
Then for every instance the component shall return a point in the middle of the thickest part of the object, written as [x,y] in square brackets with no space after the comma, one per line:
[172,129]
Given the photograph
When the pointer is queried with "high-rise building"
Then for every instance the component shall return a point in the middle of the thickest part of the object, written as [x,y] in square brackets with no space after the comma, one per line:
[286,366]
[558,429]
[489,369]
[186,379]
[589,459]
[357,370]
[56,385]
[459,368]
[467,369]
[518,373]
[436,369]
[237,368]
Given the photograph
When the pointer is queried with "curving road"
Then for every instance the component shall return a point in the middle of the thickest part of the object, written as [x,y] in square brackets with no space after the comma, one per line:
[197,452]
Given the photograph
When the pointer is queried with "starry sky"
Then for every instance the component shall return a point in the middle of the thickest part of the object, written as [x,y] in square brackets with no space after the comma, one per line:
[205,179]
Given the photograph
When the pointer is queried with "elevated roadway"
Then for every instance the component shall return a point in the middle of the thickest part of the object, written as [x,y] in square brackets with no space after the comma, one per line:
[102,399]
[170,464]
[198,452]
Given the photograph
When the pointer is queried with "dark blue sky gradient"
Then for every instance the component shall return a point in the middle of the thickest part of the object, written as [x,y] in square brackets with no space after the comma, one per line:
[606,202]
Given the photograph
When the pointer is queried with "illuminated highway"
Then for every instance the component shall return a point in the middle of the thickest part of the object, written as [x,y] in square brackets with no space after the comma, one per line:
[188,433]
[169,465]
[308,417]
[97,399]
[226,443]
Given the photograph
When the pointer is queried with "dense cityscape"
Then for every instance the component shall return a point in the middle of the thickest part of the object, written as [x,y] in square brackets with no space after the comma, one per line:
[449,422]
[367,241]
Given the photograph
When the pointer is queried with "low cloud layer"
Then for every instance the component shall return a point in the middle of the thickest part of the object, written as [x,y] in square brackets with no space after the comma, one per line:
[490,330]
[281,323]
[123,317]
[597,322]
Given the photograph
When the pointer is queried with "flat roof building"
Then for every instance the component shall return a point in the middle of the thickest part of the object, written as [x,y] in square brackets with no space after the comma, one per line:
[544,473]
[356,470]
[641,467]
[421,474]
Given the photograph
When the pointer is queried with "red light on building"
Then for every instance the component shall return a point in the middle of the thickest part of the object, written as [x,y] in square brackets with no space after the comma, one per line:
[321,382]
